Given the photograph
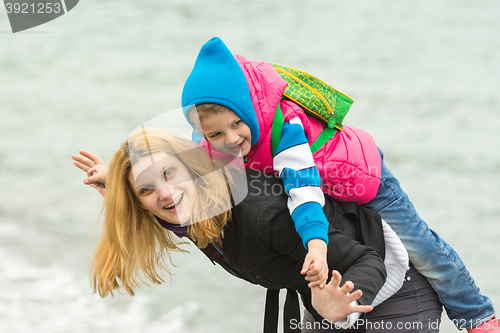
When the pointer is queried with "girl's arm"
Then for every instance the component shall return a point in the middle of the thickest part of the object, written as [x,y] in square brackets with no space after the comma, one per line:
[357,263]
[295,165]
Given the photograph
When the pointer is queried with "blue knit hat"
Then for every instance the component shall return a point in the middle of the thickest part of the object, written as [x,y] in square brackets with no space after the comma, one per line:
[217,78]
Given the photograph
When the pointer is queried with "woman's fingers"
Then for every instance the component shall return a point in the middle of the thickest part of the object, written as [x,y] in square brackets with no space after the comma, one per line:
[94,176]
[94,158]
[81,166]
[347,287]
[81,161]
[334,302]
[354,296]
[335,280]
[95,169]
[362,308]
[86,160]
[91,171]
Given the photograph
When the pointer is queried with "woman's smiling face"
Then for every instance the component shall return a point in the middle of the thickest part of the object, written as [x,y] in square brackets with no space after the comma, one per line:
[164,186]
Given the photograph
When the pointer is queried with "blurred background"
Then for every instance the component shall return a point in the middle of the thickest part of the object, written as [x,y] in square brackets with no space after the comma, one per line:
[425,77]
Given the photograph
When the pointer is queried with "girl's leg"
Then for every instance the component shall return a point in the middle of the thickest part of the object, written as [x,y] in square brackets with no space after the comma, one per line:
[431,255]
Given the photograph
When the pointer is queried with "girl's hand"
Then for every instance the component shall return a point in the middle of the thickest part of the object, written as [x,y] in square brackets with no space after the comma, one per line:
[315,266]
[334,303]
[95,168]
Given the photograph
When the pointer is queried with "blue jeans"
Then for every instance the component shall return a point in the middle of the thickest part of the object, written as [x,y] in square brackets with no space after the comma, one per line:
[431,255]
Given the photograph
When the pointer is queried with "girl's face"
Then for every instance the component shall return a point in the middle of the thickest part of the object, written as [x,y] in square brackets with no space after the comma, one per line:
[164,186]
[227,132]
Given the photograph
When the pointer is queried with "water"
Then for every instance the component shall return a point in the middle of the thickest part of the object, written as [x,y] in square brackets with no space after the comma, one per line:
[425,77]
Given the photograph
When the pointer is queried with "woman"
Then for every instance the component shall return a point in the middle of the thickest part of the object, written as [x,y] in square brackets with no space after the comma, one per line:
[158,181]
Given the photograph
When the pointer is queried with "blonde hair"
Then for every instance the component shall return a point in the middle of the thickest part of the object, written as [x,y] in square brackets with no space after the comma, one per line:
[133,242]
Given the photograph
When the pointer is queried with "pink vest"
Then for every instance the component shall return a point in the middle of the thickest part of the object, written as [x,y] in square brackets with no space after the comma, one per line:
[348,164]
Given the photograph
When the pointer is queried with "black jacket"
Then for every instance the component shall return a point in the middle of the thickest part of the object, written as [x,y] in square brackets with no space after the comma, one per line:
[262,246]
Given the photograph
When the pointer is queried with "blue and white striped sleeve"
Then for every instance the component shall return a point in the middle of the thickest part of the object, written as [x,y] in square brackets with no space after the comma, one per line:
[295,165]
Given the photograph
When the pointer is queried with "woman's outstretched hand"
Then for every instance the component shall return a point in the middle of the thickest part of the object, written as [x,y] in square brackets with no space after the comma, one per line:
[333,302]
[95,168]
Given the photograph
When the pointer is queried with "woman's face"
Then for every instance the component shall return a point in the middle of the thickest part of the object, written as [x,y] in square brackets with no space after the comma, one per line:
[164,186]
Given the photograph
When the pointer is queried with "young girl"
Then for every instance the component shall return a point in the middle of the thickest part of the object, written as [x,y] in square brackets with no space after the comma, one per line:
[236,101]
